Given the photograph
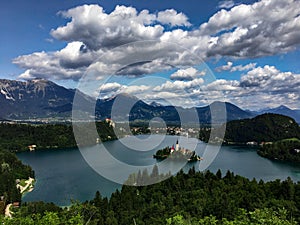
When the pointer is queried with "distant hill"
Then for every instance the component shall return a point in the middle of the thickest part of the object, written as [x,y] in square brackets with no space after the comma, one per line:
[36,98]
[278,136]
[268,127]
[41,98]
[232,112]
[16,137]
[139,110]
[142,111]
[263,128]
[283,110]
[285,150]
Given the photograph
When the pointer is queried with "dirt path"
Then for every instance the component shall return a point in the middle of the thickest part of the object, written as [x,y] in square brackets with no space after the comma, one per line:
[7,210]
[27,182]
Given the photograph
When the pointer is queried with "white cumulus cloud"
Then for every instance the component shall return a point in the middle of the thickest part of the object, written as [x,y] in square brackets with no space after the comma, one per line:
[187,74]
[264,28]
[173,18]
[180,85]
[226,4]
[229,67]
[97,29]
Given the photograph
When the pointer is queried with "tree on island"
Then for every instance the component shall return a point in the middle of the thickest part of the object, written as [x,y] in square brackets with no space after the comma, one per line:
[176,153]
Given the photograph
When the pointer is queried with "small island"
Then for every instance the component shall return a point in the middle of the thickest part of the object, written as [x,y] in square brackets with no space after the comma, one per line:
[177,153]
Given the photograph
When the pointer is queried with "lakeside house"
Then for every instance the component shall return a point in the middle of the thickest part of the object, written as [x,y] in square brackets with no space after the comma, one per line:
[265,143]
[110,122]
[16,204]
[32,147]
[297,150]
[252,143]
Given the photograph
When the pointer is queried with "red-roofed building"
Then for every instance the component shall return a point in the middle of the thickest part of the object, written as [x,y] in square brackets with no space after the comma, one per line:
[172,149]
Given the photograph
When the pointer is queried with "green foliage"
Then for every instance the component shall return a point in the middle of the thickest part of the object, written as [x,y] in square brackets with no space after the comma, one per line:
[259,216]
[49,218]
[278,135]
[11,168]
[17,137]
[282,150]
[192,198]
[263,128]
[29,208]
[176,220]
[165,153]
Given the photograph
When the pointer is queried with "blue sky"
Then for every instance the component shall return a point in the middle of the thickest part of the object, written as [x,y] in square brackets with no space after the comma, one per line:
[251,47]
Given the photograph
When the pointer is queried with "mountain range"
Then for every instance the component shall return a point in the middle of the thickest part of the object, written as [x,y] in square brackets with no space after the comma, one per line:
[39,98]
[282,110]
[141,111]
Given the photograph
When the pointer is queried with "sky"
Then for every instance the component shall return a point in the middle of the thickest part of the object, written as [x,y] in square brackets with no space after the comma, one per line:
[187,53]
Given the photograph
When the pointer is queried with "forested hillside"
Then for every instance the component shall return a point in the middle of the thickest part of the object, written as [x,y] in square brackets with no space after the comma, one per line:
[263,128]
[277,135]
[11,168]
[17,137]
[192,198]
[286,149]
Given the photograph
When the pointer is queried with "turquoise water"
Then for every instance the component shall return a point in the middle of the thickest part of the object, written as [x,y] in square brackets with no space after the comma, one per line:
[63,175]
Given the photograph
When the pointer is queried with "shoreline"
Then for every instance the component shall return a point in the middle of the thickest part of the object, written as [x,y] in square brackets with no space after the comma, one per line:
[65,202]
[29,186]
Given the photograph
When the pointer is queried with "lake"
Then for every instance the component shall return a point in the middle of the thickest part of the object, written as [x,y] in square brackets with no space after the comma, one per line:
[63,175]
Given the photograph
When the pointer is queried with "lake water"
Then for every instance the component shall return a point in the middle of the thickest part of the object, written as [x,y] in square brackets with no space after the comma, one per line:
[63,175]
